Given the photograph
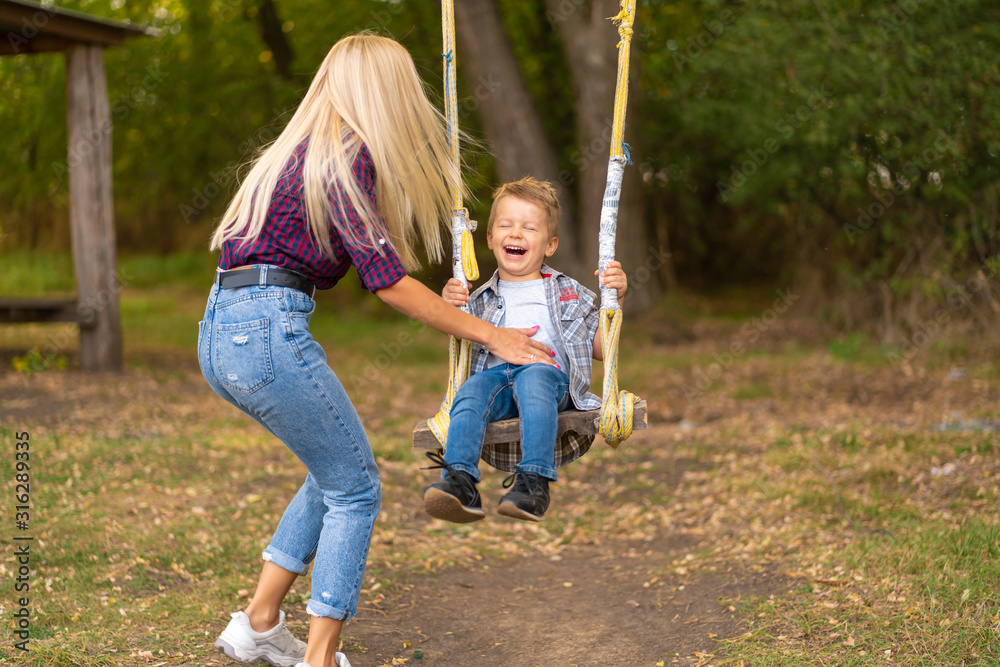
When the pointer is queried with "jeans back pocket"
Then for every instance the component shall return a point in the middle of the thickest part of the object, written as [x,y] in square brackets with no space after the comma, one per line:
[242,355]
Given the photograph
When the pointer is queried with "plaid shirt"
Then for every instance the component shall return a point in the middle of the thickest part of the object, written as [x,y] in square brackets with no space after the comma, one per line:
[285,240]
[579,317]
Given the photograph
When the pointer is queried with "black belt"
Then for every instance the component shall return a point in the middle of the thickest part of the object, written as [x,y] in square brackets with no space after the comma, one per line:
[275,276]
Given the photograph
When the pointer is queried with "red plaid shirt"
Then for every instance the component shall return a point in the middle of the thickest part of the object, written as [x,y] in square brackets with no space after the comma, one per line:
[285,240]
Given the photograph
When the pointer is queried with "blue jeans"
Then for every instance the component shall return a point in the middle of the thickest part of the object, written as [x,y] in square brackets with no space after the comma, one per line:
[535,393]
[256,352]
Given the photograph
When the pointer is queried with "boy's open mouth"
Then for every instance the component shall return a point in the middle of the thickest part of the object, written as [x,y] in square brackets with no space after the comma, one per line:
[514,250]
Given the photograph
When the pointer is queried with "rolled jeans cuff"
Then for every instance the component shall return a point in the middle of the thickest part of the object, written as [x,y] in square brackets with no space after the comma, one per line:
[283,560]
[547,473]
[315,608]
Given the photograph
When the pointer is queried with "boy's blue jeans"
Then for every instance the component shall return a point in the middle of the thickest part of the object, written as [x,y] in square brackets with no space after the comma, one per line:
[256,352]
[535,393]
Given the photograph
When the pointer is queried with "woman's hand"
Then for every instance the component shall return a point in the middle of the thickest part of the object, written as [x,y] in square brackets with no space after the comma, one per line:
[412,298]
[515,346]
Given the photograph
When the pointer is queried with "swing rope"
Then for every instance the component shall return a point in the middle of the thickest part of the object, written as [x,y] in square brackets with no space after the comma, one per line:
[615,422]
[464,266]
[616,419]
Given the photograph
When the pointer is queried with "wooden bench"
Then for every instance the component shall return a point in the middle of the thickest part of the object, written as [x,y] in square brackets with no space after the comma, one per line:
[509,430]
[14,310]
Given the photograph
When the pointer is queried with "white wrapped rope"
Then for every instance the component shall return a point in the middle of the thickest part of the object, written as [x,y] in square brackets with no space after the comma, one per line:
[459,220]
[463,259]
[609,226]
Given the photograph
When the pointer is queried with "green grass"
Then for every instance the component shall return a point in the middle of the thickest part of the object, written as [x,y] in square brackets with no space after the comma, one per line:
[899,560]
[28,273]
[135,507]
[925,596]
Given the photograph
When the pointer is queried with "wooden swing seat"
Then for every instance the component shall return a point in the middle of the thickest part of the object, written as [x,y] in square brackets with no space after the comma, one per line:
[509,430]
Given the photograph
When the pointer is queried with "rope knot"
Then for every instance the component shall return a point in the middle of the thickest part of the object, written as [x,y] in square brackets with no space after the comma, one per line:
[615,422]
[624,20]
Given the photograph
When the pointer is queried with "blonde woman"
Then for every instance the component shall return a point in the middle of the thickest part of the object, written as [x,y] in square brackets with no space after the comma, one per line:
[360,174]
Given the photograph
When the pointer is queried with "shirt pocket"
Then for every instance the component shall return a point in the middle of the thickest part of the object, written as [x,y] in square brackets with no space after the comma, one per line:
[242,355]
[574,321]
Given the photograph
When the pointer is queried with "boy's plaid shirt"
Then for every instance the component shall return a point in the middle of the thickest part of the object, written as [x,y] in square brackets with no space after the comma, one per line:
[579,317]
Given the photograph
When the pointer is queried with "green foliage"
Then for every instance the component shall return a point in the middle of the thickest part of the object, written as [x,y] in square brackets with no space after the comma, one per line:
[855,142]
[36,362]
[190,109]
[850,348]
[831,133]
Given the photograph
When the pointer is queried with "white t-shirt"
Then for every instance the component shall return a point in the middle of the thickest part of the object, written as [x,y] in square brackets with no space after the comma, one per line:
[524,306]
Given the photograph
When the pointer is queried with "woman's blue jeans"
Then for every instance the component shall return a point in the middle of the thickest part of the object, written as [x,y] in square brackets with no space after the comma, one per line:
[256,352]
[535,393]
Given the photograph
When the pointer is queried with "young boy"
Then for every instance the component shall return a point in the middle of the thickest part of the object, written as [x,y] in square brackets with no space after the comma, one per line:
[523,293]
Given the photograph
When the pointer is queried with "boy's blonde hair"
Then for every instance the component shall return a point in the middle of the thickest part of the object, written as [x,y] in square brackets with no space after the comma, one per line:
[530,189]
[366,91]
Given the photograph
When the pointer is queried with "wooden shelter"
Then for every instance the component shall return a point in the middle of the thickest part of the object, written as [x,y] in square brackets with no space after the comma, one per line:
[29,27]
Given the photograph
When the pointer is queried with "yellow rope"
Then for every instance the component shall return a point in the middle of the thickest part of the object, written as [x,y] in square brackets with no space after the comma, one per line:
[625,19]
[469,264]
[615,422]
[459,362]
[451,89]
[458,349]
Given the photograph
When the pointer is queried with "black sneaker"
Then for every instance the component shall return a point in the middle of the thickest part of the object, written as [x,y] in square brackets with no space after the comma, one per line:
[529,498]
[455,498]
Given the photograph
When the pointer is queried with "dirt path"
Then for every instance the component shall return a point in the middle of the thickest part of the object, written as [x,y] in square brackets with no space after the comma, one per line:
[591,607]
[611,602]
[614,604]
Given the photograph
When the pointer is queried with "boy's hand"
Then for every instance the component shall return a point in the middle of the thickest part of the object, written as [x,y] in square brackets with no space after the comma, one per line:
[614,277]
[455,293]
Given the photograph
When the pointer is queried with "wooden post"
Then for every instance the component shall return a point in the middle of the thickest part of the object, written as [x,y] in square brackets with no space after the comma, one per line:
[91,209]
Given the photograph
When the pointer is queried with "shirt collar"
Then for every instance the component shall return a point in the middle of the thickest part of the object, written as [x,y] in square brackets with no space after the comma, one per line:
[547,272]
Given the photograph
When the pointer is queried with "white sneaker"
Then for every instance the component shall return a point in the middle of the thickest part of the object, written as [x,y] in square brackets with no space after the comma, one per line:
[340,658]
[244,644]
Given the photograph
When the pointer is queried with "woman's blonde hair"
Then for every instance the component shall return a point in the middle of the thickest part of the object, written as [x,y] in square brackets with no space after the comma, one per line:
[366,91]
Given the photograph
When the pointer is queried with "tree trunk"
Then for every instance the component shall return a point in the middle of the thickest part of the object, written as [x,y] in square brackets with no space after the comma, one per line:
[511,121]
[91,208]
[589,39]
[274,37]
